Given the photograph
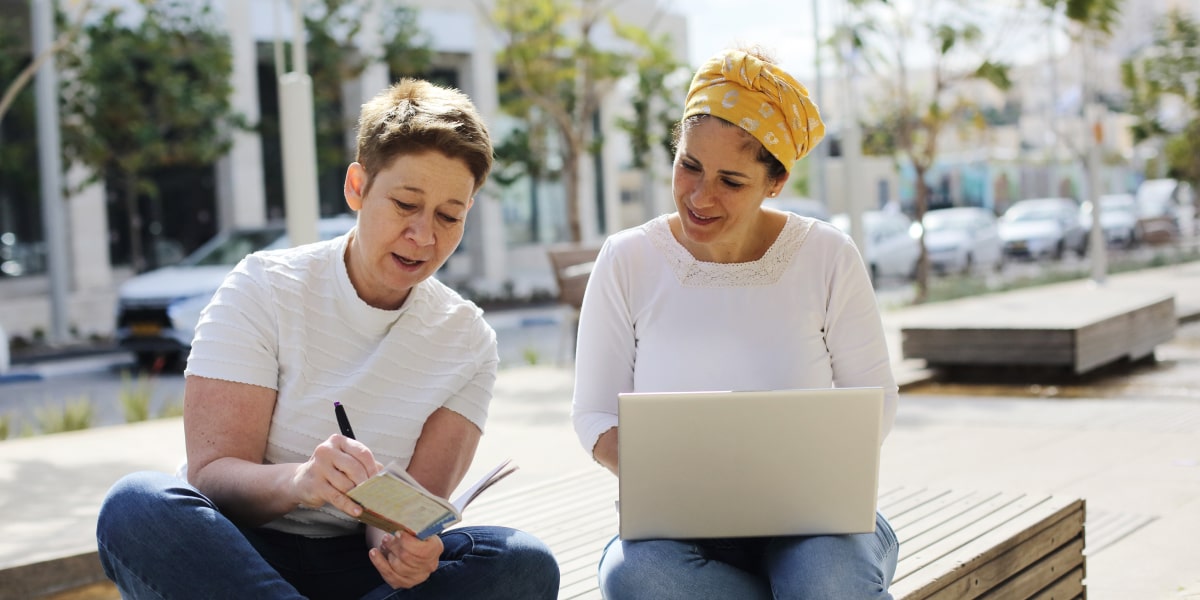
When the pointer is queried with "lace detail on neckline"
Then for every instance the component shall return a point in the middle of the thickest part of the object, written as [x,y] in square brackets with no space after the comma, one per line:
[696,273]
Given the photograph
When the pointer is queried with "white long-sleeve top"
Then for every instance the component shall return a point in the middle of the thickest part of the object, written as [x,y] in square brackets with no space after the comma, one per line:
[655,319]
[290,320]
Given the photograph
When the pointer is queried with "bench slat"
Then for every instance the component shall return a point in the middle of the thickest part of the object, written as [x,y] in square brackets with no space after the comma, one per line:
[954,543]
[990,557]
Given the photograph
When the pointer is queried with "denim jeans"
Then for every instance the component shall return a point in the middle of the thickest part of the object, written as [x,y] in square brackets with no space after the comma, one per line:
[835,567]
[161,538]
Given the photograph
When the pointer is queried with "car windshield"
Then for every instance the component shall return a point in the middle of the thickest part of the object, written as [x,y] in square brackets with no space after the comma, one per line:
[229,248]
[1118,204]
[939,222]
[1034,213]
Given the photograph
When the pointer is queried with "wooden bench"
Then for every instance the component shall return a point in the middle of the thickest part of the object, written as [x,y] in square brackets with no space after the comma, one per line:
[953,544]
[1076,327]
[572,266]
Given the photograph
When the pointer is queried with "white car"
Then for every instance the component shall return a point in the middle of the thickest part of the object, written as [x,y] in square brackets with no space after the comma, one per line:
[892,249]
[1118,219]
[1043,228]
[157,311]
[962,238]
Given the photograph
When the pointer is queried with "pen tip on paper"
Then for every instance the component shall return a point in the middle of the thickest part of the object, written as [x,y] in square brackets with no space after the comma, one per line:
[336,403]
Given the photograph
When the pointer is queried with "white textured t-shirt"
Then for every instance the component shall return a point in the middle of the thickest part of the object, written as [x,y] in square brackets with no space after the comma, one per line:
[656,319]
[291,321]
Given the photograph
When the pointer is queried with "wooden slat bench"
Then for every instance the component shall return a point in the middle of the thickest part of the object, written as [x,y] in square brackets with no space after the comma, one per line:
[953,544]
[1072,326]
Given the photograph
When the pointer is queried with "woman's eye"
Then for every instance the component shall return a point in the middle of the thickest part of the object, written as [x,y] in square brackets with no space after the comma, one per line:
[733,184]
[689,166]
[404,205]
[449,218]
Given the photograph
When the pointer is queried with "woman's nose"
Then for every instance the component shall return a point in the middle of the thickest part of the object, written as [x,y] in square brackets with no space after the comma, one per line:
[703,194]
[420,230]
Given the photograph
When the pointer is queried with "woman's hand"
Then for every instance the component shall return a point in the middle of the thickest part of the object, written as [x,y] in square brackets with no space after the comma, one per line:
[404,561]
[336,465]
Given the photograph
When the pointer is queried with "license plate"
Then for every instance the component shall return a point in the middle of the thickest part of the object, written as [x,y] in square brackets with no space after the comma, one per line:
[145,329]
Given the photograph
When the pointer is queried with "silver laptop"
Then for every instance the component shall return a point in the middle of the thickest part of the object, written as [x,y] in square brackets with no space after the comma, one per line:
[738,464]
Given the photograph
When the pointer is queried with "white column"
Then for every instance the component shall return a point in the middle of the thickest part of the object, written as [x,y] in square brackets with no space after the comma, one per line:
[241,193]
[490,250]
[88,218]
[373,78]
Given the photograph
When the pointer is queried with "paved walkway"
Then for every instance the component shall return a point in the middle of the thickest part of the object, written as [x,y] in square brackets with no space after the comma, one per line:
[1136,461]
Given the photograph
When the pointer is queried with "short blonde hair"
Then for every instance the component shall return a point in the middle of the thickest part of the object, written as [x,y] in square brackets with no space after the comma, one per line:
[415,116]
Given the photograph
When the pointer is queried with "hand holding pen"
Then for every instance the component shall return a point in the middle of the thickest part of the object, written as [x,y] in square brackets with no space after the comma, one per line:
[401,559]
[343,420]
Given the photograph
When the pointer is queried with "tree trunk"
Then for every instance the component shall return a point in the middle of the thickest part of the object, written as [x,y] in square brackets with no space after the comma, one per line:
[922,204]
[137,257]
[571,188]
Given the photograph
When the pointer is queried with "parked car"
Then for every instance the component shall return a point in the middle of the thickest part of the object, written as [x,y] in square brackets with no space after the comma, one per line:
[1118,219]
[157,311]
[892,249]
[961,238]
[805,207]
[1166,209]
[1043,228]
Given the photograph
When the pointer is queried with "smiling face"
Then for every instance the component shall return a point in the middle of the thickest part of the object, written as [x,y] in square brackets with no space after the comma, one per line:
[410,219]
[719,185]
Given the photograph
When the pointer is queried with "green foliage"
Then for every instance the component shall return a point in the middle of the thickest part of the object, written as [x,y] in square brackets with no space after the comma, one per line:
[531,356]
[553,82]
[333,27]
[655,102]
[912,115]
[1168,68]
[73,415]
[5,425]
[148,93]
[171,409]
[18,162]
[135,396]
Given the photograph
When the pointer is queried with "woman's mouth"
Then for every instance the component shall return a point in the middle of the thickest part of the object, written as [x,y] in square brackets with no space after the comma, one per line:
[407,262]
[700,219]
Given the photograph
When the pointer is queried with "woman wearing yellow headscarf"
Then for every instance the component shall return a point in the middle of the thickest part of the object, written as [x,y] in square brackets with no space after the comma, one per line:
[726,294]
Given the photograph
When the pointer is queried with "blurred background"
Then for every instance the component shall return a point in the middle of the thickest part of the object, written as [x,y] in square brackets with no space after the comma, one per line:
[147,145]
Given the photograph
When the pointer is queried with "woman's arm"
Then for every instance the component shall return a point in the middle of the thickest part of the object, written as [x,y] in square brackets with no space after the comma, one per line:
[605,451]
[444,451]
[604,356]
[441,459]
[226,426]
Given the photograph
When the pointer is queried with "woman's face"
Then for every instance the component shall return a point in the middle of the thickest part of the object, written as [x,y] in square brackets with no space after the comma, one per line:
[719,186]
[409,222]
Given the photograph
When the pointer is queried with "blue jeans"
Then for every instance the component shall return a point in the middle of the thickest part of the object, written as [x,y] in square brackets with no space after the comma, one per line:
[859,566]
[161,538]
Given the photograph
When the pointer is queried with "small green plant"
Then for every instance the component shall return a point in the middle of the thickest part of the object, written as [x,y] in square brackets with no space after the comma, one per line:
[71,416]
[531,356]
[135,395]
[171,409]
[5,425]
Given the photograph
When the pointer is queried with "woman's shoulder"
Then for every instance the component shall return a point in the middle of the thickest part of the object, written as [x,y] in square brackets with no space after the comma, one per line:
[444,305]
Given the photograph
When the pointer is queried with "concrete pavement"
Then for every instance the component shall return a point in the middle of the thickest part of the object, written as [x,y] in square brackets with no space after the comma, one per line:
[1134,457]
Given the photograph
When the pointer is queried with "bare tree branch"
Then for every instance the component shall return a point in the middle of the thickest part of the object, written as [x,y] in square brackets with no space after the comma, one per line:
[18,84]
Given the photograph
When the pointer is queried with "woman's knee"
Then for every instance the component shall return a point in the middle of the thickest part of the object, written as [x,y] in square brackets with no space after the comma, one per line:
[644,569]
[843,566]
[146,500]
[518,560]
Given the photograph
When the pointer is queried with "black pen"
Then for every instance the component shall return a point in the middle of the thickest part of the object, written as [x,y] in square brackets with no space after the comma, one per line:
[343,422]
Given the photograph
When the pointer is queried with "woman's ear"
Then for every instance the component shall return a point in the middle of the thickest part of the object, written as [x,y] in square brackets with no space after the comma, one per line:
[777,186]
[356,186]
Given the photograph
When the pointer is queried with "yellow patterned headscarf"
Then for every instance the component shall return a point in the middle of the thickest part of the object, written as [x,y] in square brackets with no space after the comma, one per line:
[762,99]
